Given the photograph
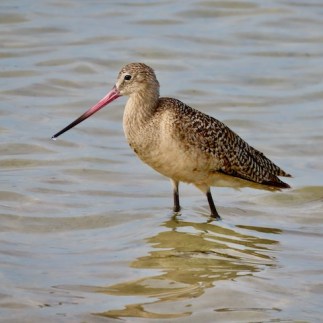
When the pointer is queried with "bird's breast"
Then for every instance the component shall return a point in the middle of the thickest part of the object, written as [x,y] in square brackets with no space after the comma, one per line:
[159,145]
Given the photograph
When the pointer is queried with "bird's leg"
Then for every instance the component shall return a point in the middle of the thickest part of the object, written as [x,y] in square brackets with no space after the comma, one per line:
[206,190]
[176,207]
[214,212]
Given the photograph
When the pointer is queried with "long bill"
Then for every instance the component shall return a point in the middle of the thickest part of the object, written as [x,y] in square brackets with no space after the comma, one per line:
[111,96]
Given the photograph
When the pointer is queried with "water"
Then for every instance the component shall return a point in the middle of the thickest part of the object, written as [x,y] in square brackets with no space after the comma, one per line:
[87,232]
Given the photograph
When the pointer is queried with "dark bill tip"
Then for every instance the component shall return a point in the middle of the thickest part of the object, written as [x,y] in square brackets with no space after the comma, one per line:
[111,96]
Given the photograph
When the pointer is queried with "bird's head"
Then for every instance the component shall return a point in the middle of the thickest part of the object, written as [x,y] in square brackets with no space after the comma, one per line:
[133,79]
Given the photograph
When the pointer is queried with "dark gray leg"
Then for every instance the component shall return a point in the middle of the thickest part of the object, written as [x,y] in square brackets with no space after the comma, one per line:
[176,207]
[214,212]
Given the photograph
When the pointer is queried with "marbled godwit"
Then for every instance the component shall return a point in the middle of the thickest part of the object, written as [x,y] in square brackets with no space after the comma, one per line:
[180,142]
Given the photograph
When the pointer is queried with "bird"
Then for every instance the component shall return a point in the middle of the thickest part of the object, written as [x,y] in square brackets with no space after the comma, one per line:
[180,142]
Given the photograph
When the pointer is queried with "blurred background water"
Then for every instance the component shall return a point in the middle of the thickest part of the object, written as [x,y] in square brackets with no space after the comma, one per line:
[87,232]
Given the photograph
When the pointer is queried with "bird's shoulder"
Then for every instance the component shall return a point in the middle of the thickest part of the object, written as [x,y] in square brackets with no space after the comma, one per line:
[196,126]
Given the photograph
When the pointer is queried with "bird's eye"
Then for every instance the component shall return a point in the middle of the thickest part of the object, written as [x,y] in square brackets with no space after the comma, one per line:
[127,77]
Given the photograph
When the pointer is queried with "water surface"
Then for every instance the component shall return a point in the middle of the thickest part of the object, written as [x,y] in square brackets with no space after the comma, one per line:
[87,232]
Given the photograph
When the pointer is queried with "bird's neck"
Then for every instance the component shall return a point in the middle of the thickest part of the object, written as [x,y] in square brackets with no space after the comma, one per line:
[140,107]
[139,111]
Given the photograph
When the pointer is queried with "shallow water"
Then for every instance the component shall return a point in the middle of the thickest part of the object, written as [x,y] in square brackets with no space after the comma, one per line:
[87,232]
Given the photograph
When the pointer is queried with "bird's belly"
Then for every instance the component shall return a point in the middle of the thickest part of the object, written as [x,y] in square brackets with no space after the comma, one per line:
[174,162]
[157,145]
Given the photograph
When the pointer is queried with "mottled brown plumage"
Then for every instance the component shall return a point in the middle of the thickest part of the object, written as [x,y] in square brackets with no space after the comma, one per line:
[180,142]
[219,142]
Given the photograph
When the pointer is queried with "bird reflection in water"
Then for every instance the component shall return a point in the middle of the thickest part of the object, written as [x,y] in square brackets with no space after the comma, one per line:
[192,258]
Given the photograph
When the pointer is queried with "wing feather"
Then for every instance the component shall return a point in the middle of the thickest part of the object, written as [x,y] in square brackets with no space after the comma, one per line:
[234,155]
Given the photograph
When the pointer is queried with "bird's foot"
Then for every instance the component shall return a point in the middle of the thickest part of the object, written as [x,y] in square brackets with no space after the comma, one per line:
[176,208]
[215,217]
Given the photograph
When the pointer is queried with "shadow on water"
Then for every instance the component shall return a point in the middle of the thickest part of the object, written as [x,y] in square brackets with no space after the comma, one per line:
[191,257]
